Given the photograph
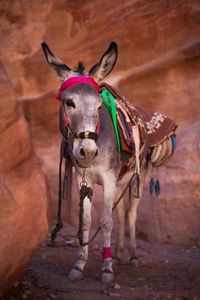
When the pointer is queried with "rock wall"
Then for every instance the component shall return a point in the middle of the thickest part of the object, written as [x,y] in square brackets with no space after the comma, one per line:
[158,67]
[23,191]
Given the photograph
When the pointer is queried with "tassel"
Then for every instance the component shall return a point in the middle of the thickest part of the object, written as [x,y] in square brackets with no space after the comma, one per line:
[157,188]
[151,186]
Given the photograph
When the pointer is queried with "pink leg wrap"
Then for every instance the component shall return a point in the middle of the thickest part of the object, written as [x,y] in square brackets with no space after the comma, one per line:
[107,252]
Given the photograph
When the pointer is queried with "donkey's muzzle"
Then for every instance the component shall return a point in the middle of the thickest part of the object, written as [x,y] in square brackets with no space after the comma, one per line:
[88,153]
[87,150]
[87,135]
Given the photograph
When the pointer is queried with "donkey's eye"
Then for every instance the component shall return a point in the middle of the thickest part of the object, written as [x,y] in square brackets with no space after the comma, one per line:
[69,102]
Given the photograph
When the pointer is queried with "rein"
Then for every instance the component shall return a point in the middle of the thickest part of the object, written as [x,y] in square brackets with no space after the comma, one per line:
[66,152]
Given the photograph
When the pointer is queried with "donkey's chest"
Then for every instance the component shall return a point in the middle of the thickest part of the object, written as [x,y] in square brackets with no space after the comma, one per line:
[99,174]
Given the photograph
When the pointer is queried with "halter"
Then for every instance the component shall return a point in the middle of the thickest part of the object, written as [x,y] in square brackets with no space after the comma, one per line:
[68,84]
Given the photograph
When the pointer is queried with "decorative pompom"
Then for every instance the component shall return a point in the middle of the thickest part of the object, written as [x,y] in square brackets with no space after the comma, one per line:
[151,186]
[157,188]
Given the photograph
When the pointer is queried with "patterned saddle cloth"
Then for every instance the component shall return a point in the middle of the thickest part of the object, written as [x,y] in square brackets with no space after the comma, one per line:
[157,132]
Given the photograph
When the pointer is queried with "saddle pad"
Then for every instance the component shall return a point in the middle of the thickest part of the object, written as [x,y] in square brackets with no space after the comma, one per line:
[160,153]
[154,127]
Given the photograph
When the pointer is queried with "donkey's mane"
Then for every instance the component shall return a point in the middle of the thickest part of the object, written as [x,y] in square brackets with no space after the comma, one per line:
[80,68]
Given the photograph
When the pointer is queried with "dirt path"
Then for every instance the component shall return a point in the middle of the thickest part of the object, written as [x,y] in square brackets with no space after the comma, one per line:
[163,272]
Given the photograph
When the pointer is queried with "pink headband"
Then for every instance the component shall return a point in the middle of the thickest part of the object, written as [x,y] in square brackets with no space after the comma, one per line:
[74,81]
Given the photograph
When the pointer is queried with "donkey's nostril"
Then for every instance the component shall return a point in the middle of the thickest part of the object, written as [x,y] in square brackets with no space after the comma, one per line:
[82,152]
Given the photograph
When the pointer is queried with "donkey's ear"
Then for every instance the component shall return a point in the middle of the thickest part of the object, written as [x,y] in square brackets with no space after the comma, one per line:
[61,69]
[106,63]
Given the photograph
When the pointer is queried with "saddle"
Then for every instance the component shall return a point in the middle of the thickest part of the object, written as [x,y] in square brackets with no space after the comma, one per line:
[156,131]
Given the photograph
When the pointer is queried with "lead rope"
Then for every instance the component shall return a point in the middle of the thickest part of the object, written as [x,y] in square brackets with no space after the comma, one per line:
[86,191]
[59,223]
[64,152]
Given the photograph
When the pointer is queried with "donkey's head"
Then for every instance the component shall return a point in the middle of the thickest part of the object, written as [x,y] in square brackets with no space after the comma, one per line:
[80,101]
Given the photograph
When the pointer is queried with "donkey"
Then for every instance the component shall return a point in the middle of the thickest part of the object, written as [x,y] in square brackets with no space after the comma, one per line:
[95,152]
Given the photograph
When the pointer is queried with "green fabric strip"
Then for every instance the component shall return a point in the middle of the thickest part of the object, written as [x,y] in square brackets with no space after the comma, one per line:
[109,102]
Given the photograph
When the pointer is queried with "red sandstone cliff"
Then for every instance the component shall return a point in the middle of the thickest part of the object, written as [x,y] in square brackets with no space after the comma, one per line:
[158,67]
[23,191]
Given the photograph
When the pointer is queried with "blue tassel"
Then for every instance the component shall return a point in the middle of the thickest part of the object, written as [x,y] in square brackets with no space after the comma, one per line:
[151,186]
[173,142]
[157,188]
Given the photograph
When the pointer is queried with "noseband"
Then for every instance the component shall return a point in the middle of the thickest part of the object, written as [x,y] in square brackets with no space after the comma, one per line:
[87,135]
[66,85]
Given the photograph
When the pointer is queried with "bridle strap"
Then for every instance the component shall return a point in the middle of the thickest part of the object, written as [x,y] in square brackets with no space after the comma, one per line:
[87,135]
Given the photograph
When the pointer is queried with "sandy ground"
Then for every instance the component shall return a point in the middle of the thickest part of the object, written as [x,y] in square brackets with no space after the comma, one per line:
[163,272]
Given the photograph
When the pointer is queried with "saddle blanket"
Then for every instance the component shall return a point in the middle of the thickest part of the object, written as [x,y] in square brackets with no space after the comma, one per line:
[157,132]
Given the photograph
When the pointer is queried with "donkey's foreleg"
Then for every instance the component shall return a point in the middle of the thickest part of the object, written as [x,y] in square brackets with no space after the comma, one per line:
[106,229]
[132,216]
[77,269]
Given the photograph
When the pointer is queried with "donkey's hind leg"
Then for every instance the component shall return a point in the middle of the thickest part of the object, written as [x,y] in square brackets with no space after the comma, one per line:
[76,272]
[132,216]
[122,217]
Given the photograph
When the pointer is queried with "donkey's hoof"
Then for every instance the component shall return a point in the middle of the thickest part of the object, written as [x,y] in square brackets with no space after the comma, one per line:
[107,276]
[75,274]
[120,260]
[116,260]
[134,261]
